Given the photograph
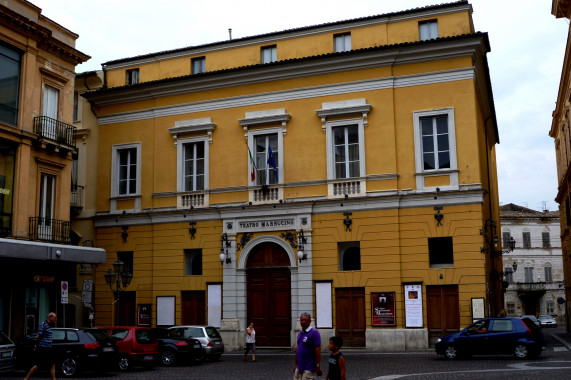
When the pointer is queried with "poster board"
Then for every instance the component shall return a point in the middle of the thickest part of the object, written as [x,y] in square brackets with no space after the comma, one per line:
[478,309]
[324,308]
[413,306]
[166,311]
[383,309]
[144,314]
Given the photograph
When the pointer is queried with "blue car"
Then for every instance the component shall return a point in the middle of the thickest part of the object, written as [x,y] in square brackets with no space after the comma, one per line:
[500,336]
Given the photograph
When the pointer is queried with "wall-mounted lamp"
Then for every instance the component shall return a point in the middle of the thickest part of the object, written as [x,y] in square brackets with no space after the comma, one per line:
[191,223]
[347,221]
[224,257]
[438,216]
[124,234]
[301,255]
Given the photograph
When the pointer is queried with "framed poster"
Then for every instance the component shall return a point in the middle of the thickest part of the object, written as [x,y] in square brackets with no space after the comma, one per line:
[478,309]
[324,308]
[383,309]
[144,314]
[166,311]
[413,306]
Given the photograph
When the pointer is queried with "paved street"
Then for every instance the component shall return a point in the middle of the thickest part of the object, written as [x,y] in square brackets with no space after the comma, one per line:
[554,363]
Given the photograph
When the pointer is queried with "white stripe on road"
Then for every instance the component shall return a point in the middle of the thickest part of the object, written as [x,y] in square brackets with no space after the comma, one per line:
[515,367]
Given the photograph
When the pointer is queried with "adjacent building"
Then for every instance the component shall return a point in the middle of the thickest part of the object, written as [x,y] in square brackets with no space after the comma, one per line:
[533,271]
[38,248]
[561,133]
[345,169]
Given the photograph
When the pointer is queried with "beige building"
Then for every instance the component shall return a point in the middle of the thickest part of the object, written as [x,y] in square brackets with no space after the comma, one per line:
[38,249]
[537,285]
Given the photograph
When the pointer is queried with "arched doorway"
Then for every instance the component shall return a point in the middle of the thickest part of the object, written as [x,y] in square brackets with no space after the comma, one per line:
[268,292]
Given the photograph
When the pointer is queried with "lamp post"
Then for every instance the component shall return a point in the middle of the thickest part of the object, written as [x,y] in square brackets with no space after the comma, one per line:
[119,277]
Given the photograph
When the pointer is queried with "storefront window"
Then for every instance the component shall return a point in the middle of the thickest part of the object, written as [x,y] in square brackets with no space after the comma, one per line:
[7,154]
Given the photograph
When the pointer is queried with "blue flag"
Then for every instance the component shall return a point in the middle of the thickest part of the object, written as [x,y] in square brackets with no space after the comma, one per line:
[272,162]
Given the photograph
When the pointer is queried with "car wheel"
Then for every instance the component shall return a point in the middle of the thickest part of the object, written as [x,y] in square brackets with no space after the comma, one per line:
[521,351]
[199,358]
[451,352]
[69,367]
[124,363]
[168,357]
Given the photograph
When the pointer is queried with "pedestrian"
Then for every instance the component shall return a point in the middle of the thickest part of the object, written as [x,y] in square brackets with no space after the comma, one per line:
[336,369]
[250,342]
[44,355]
[308,355]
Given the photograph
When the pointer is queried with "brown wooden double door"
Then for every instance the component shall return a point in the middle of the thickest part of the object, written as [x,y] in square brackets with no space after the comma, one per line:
[350,316]
[443,311]
[269,305]
[193,308]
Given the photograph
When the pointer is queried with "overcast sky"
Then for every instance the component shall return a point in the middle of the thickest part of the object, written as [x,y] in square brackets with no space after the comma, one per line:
[527,43]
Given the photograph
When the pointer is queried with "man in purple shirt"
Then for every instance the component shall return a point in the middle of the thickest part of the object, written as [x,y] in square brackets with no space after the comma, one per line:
[308,356]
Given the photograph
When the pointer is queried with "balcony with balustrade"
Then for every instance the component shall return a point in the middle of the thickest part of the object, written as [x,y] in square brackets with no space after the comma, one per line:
[55,132]
[50,230]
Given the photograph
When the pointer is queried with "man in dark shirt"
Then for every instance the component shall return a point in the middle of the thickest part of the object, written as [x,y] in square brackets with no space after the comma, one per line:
[43,347]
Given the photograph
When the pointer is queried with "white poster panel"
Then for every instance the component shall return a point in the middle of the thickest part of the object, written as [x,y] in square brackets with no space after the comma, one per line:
[166,311]
[413,305]
[323,314]
[214,305]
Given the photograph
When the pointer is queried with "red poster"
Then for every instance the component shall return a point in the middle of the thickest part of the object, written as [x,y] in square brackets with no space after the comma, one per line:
[383,308]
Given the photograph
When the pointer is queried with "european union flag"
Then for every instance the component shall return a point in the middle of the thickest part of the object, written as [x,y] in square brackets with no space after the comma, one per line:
[272,162]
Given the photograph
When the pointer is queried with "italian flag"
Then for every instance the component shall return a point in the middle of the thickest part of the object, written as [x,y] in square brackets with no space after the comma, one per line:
[253,163]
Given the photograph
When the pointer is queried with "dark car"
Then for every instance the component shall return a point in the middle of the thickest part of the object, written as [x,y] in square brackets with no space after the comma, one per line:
[520,337]
[7,353]
[533,319]
[208,336]
[75,350]
[137,346]
[174,349]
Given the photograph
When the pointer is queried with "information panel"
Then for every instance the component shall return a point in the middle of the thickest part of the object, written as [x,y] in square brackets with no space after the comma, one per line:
[413,306]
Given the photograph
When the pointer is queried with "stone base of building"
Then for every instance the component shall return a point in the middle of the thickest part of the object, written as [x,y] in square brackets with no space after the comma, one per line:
[376,339]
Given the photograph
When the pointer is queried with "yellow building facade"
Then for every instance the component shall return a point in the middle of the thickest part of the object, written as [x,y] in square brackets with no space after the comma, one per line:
[345,169]
[38,249]
[561,135]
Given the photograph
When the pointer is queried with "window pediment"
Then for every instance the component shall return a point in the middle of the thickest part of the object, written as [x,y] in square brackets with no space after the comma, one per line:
[261,118]
[183,127]
[344,108]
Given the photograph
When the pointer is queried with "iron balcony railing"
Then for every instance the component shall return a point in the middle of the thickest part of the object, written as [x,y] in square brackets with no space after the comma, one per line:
[76,196]
[531,286]
[51,230]
[55,130]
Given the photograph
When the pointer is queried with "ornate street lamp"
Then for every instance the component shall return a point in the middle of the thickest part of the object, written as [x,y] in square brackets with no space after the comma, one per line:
[119,277]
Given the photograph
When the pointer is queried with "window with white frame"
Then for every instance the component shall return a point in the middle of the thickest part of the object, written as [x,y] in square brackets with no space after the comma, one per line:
[342,42]
[269,54]
[198,65]
[548,274]
[508,274]
[428,30]
[346,149]
[506,236]
[435,145]
[132,76]
[126,169]
[510,307]
[193,164]
[267,153]
[550,307]
[528,274]
[526,235]
[545,240]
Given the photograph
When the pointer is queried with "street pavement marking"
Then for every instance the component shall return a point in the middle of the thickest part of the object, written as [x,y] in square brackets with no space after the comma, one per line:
[514,367]
[562,341]
[559,349]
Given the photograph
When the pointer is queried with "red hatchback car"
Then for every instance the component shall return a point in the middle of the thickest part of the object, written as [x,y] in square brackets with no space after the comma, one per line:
[137,346]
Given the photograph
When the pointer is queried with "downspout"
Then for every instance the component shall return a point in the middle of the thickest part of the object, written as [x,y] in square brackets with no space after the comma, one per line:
[491,246]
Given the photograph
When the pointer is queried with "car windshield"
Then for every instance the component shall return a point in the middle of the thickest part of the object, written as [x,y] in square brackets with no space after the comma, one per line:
[532,317]
[548,317]
[212,332]
[161,333]
[191,332]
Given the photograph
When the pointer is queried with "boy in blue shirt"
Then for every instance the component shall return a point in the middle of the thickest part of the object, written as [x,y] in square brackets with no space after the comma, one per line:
[336,360]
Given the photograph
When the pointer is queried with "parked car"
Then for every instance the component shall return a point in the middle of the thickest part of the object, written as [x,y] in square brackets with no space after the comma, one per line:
[207,335]
[533,319]
[174,349]
[517,336]
[7,353]
[75,350]
[137,346]
[547,321]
